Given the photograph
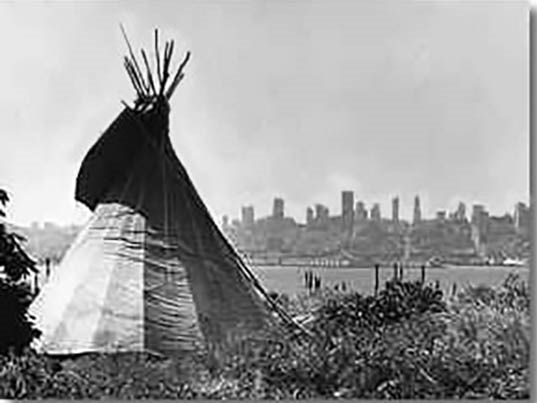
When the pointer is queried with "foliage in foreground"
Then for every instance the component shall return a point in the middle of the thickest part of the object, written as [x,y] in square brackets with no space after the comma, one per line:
[16,328]
[395,345]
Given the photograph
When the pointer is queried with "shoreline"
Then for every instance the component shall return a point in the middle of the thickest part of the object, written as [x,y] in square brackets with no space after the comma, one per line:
[389,267]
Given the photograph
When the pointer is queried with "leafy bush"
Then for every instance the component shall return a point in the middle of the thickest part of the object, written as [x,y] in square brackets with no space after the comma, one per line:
[398,301]
[487,342]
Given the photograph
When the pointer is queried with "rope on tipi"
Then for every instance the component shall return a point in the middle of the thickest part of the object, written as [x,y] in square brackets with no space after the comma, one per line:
[147,95]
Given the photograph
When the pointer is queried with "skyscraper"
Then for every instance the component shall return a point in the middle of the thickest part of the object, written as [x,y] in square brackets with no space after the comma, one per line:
[395,209]
[360,212]
[460,214]
[375,212]
[321,213]
[278,208]
[247,216]
[521,216]
[347,209]
[417,210]
[480,226]
[309,215]
[478,211]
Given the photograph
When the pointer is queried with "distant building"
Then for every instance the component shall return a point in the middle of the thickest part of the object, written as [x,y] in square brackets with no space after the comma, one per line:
[480,225]
[48,226]
[441,215]
[478,212]
[360,213]
[460,214]
[235,223]
[500,227]
[321,213]
[479,241]
[375,212]
[309,215]
[278,208]
[522,217]
[318,211]
[347,209]
[247,216]
[417,210]
[395,209]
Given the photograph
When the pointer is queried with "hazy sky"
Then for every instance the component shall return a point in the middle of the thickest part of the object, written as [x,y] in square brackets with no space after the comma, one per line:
[298,99]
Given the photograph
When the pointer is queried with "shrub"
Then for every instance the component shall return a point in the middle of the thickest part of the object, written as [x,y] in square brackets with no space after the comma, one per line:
[398,301]
[16,328]
[427,348]
[92,376]
[16,331]
[405,343]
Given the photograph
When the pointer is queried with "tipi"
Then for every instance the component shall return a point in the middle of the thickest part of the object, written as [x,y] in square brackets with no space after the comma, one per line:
[151,271]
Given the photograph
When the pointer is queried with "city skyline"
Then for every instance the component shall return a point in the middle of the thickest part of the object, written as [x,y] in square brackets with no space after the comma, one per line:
[250,210]
[300,99]
[385,214]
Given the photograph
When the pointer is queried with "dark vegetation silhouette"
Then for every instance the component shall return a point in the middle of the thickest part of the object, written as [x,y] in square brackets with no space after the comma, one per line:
[16,328]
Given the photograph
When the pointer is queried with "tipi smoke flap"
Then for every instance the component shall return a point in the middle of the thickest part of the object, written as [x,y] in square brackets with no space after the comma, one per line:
[151,271]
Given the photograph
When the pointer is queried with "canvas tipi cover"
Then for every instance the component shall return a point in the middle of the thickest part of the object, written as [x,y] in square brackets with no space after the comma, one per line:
[151,271]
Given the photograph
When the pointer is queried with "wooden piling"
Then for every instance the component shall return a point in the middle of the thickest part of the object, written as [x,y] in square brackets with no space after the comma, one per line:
[376,279]
[47,267]
[317,282]
[36,284]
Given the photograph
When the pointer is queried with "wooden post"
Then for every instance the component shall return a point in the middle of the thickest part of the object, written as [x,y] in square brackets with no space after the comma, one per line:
[47,267]
[36,284]
[422,273]
[395,271]
[376,279]
[401,271]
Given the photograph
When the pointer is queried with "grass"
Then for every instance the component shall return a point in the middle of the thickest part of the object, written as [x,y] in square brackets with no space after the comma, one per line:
[408,342]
